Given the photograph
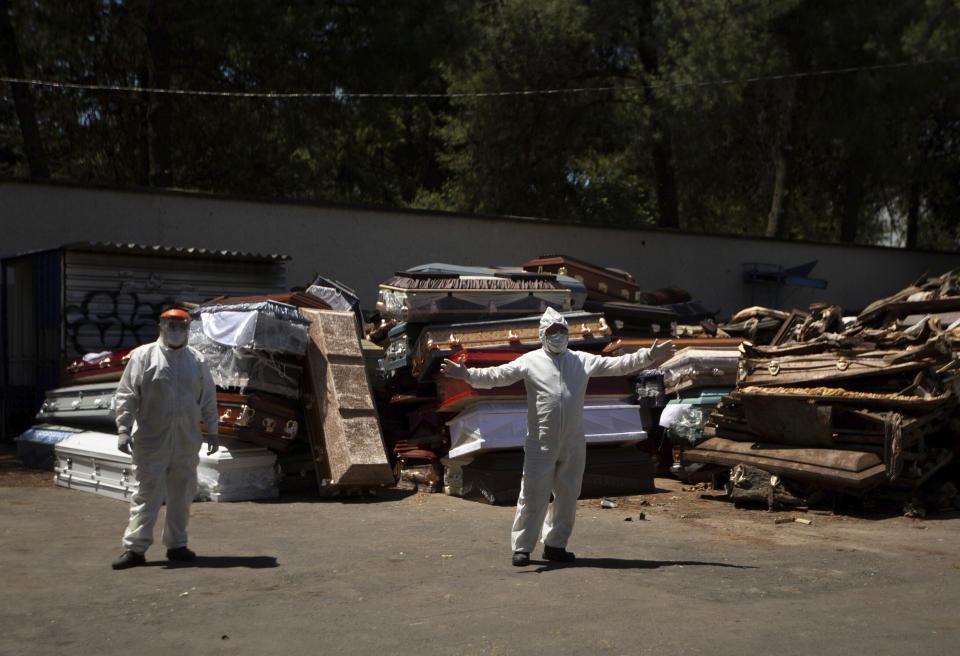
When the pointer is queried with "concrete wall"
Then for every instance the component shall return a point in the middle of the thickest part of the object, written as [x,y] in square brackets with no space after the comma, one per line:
[362,247]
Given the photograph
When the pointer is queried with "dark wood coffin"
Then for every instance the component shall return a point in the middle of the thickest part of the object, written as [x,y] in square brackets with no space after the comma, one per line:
[257,418]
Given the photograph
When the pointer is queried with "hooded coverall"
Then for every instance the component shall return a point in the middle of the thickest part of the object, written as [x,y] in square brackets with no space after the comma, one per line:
[161,398]
[554,452]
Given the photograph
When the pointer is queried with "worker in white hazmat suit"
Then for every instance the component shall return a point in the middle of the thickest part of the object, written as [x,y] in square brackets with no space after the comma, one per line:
[165,391]
[555,449]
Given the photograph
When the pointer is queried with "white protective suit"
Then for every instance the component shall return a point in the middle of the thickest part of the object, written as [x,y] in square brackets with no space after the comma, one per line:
[161,398]
[555,448]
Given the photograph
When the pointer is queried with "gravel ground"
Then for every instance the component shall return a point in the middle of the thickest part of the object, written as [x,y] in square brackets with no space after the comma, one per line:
[430,574]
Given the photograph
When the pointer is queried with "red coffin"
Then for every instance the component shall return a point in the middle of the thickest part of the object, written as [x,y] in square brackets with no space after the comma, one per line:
[106,368]
[454,395]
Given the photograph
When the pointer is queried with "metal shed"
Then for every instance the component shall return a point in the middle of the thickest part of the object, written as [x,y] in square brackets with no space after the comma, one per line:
[61,303]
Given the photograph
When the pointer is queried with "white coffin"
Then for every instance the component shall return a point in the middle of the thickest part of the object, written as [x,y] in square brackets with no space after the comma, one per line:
[90,461]
[491,425]
[80,404]
[237,474]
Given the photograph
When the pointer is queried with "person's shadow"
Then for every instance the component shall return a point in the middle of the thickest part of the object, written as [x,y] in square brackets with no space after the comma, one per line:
[221,562]
[624,563]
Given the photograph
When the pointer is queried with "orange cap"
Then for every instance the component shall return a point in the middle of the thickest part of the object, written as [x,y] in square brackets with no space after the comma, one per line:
[175,314]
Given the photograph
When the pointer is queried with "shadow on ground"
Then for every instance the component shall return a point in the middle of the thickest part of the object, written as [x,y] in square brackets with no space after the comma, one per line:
[625,563]
[220,562]
[382,495]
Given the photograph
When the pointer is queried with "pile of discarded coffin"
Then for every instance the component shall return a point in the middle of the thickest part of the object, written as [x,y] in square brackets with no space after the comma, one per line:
[291,377]
[871,405]
[294,403]
[770,327]
[445,435]
[76,437]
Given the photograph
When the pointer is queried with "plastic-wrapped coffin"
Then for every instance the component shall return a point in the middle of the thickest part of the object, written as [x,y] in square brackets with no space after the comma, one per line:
[696,367]
[341,406]
[587,331]
[81,405]
[90,462]
[244,369]
[649,389]
[236,473]
[432,293]
[297,299]
[256,346]
[36,446]
[264,326]
[684,417]
[492,425]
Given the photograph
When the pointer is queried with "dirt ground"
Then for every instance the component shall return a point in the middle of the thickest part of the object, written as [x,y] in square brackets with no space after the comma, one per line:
[431,574]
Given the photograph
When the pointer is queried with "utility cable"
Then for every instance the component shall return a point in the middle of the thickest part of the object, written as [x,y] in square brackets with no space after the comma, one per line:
[344,96]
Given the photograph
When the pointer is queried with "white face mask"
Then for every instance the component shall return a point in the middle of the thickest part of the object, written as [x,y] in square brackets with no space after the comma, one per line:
[556,343]
[174,334]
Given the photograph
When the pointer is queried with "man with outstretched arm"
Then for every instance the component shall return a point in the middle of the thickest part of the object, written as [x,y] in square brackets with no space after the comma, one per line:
[555,448]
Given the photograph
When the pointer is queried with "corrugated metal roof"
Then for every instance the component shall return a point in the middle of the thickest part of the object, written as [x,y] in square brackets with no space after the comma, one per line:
[155,249]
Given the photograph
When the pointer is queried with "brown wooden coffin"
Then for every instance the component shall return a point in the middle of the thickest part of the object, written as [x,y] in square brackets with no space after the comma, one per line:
[586,331]
[601,282]
[829,368]
[269,421]
[633,344]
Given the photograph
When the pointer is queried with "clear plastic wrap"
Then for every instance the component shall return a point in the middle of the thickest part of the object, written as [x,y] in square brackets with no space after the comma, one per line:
[241,368]
[693,367]
[650,390]
[262,326]
[684,423]
[237,475]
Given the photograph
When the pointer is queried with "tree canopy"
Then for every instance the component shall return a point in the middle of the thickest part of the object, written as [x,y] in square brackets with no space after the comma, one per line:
[835,121]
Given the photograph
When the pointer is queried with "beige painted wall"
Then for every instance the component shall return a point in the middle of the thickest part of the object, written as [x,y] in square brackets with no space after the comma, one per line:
[362,247]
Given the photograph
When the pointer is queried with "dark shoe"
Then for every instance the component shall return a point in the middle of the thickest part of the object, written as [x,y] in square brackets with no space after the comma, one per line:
[182,554]
[521,558]
[558,554]
[128,559]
